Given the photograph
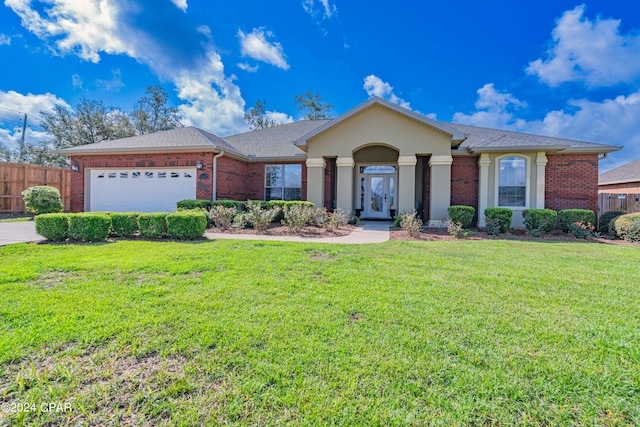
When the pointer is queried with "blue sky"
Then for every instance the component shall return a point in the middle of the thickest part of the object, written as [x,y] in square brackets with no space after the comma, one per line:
[560,68]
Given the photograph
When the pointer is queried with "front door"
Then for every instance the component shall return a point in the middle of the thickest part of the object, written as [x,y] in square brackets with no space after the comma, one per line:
[379,195]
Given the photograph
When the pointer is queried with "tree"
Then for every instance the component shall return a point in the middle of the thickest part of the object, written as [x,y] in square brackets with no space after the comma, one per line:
[313,106]
[258,118]
[152,113]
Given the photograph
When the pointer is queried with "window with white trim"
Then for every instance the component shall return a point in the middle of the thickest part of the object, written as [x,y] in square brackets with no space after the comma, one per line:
[512,181]
[283,182]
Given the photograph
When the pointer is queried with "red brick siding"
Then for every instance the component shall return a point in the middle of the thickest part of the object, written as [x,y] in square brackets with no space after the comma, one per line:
[572,181]
[230,181]
[203,181]
[329,183]
[464,181]
[426,188]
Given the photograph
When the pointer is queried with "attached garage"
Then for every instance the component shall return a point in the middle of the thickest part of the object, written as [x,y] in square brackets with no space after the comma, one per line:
[139,189]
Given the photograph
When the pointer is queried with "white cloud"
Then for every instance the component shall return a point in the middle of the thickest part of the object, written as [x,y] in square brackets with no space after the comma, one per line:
[322,9]
[30,104]
[76,81]
[248,68]
[255,45]
[494,110]
[181,4]
[278,117]
[593,52]
[92,27]
[374,86]
[114,84]
[5,40]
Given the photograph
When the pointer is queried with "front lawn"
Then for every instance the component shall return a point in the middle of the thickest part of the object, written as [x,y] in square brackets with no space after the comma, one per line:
[269,333]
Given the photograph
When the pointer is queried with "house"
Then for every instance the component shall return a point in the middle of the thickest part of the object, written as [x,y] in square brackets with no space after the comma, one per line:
[374,159]
[621,180]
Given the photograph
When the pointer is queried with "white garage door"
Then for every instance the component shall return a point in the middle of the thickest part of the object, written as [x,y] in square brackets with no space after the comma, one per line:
[140,190]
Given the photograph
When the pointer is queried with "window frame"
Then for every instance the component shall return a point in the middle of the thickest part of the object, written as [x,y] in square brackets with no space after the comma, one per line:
[527,181]
[282,185]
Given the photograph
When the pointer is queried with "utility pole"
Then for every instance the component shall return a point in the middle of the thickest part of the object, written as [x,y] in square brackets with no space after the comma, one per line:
[22,146]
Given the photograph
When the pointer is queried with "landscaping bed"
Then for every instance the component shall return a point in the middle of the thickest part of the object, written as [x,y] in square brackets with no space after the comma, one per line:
[282,230]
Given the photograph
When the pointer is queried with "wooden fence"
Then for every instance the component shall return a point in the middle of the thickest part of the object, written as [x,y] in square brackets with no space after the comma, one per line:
[618,202]
[16,177]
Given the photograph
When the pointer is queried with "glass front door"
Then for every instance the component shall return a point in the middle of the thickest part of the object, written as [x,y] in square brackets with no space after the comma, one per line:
[379,195]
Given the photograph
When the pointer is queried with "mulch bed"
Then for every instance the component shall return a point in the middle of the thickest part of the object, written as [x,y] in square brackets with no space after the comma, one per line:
[435,234]
[281,230]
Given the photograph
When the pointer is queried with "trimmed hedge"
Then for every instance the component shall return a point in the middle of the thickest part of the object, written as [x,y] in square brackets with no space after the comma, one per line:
[89,226]
[186,225]
[153,225]
[238,205]
[53,226]
[42,199]
[539,221]
[606,221]
[194,204]
[281,205]
[567,217]
[502,216]
[463,215]
[627,227]
[124,224]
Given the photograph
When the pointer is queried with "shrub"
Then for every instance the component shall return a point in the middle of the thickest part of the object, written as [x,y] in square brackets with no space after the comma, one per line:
[463,215]
[581,229]
[186,225]
[457,230]
[261,218]
[242,220]
[296,216]
[411,224]
[89,226]
[493,227]
[627,227]
[606,219]
[571,216]
[42,199]
[332,220]
[191,204]
[124,224]
[223,217]
[502,215]
[538,222]
[53,226]
[152,225]
[261,203]
[238,205]
[280,204]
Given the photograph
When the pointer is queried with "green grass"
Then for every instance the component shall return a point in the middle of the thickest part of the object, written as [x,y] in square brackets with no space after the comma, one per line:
[12,217]
[272,333]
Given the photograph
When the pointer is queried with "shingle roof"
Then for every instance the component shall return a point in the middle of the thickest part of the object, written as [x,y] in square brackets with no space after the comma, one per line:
[628,172]
[480,139]
[178,139]
[276,141]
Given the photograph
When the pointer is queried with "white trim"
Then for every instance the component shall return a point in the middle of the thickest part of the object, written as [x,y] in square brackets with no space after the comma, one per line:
[527,172]
[441,160]
[407,160]
[342,162]
[359,176]
[316,163]
[541,164]
[483,186]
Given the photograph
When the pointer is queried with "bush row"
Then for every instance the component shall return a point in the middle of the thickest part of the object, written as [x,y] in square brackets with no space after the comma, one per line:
[96,226]
[627,227]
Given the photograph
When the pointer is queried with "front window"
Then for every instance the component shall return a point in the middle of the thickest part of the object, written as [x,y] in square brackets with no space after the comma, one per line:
[283,182]
[512,181]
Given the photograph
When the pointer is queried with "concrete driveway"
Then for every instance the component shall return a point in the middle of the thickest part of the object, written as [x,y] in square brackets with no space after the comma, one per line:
[18,232]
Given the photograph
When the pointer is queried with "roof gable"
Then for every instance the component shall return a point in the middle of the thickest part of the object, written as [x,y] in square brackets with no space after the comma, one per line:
[629,172]
[453,133]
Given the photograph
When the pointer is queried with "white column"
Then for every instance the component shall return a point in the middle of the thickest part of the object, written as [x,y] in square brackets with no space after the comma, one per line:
[315,181]
[344,183]
[440,191]
[406,183]
[541,165]
[483,187]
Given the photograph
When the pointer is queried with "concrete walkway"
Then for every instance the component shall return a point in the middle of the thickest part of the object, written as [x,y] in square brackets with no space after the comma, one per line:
[18,232]
[368,232]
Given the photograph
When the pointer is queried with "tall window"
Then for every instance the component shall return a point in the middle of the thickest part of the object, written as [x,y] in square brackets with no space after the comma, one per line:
[283,182]
[512,181]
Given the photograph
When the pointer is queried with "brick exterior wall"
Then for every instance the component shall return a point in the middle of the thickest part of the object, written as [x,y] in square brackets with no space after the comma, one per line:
[236,180]
[426,188]
[330,183]
[572,181]
[464,181]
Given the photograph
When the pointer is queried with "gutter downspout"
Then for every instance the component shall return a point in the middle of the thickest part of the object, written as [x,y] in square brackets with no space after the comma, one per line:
[215,174]
[604,156]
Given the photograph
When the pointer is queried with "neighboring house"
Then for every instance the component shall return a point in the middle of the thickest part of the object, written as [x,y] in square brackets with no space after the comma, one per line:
[375,158]
[621,180]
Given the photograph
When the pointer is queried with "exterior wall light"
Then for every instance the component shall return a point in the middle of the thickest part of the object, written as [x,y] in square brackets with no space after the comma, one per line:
[199,165]
[75,167]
